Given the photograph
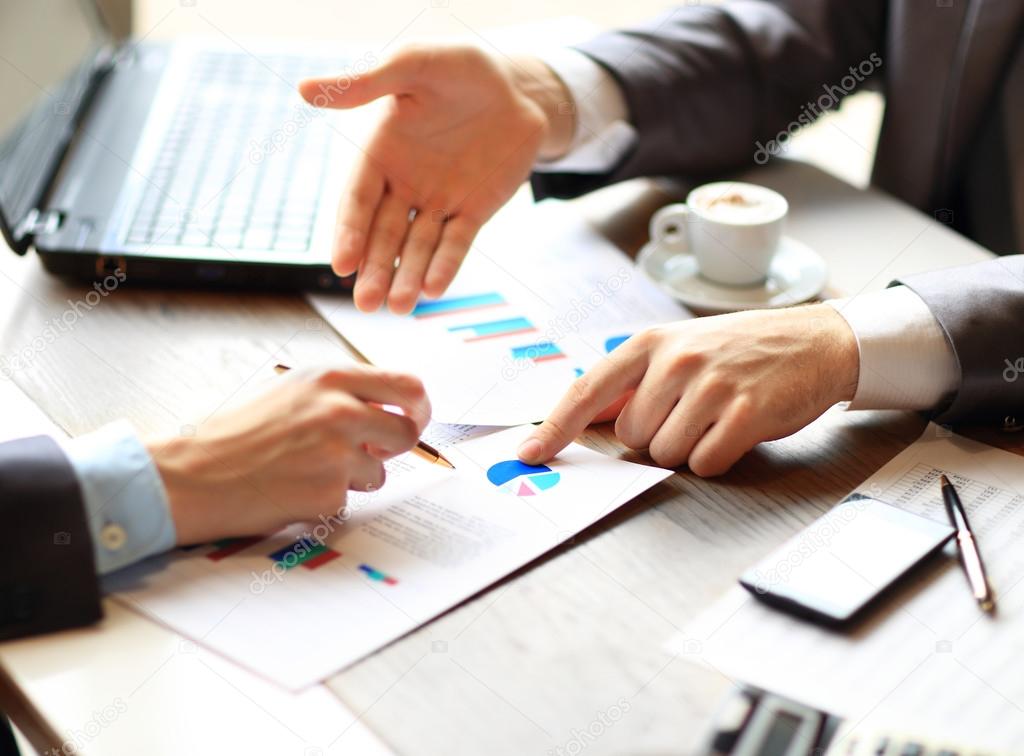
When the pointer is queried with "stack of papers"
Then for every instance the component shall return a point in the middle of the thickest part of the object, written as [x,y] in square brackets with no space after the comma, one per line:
[22,417]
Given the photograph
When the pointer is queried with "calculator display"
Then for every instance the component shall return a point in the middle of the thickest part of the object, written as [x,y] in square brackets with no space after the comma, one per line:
[780,734]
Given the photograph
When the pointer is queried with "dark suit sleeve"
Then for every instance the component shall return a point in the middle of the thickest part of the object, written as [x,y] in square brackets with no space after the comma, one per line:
[706,85]
[47,572]
[981,309]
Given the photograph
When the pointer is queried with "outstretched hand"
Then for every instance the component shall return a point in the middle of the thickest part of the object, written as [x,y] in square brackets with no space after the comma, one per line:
[459,135]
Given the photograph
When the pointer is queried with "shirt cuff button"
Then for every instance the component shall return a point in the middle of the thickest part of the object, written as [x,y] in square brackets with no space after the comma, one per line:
[113,537]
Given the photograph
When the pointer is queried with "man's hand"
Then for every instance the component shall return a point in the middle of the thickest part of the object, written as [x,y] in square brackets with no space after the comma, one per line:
[706,391]
[292,455]
[461,131]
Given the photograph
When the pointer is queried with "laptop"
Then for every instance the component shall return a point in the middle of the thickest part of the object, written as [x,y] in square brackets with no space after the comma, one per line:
[189,163]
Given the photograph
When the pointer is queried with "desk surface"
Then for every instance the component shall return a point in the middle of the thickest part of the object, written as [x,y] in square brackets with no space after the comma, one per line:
[529,665]
[542,661]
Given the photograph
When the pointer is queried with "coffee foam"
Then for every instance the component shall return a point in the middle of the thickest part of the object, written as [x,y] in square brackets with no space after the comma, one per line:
[738,203]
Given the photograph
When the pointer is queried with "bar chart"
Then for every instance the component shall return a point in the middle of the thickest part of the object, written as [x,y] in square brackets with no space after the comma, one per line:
[543,351]
[493,329]
[432,308]
[307,552]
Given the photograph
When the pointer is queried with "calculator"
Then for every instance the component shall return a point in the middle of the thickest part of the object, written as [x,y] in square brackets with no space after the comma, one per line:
[755,722]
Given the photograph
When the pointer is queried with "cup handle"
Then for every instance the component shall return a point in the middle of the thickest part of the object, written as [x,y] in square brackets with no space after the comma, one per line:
[668,227]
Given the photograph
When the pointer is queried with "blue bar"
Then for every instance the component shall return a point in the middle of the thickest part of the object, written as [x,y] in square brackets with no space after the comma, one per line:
[536,351]
[496,327]
[303,544]
[378,575]
[455,304]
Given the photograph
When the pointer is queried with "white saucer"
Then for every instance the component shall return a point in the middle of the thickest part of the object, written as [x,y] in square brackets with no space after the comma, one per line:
[797,274]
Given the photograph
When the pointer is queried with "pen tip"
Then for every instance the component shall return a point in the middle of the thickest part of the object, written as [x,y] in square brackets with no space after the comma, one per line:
[944,480]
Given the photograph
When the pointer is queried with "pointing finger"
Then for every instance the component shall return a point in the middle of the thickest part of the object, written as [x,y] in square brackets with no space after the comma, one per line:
[590,395]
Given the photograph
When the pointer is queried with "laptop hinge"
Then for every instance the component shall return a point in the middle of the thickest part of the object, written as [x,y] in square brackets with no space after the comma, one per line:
[39,222]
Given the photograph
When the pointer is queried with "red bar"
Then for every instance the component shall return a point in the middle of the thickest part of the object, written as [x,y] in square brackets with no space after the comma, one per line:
[233,548]
[321,559]
[547,357]
[390,581]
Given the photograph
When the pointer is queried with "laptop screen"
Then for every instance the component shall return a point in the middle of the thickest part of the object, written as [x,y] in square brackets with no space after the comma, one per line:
[46,52]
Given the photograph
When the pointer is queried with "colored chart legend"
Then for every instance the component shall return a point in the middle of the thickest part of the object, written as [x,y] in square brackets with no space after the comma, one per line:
[226,547]
[377,575]
[309,553]
[541,352]
[454,305]
[615,341]
[493,329]
[522,479]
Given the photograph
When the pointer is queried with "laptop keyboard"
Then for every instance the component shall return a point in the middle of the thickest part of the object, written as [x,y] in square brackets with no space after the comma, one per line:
[243,162]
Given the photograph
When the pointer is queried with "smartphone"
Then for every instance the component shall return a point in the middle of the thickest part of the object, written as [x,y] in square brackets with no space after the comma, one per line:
[836,567]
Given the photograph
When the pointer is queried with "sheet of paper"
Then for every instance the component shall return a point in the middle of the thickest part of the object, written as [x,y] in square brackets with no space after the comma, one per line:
[442,434]
[541,298]
[300,605]
[21,416]
[928,658]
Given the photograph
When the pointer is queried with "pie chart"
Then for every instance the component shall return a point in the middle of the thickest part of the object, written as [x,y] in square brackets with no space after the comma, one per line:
[522,479]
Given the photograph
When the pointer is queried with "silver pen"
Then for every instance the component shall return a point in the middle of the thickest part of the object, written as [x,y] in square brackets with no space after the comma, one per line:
[967,548]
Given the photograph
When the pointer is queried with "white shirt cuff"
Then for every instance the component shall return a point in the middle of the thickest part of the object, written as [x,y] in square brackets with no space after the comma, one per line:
[603,133]
[125,501]
[906,362]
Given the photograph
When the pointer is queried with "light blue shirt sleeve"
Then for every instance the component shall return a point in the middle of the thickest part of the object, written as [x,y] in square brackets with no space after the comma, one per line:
[125,502]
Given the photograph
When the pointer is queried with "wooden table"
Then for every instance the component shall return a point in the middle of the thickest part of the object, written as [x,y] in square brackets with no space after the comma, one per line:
[573,639]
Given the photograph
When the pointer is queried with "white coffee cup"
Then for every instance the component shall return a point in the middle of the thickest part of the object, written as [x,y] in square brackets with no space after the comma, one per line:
[732,229]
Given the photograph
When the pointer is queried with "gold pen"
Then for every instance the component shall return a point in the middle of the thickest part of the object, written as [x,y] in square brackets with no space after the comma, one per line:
[429,453]
[967,548]
[422,448]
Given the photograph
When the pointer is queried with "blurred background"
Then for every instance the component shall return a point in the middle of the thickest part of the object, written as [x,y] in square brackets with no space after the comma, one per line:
[843,142]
